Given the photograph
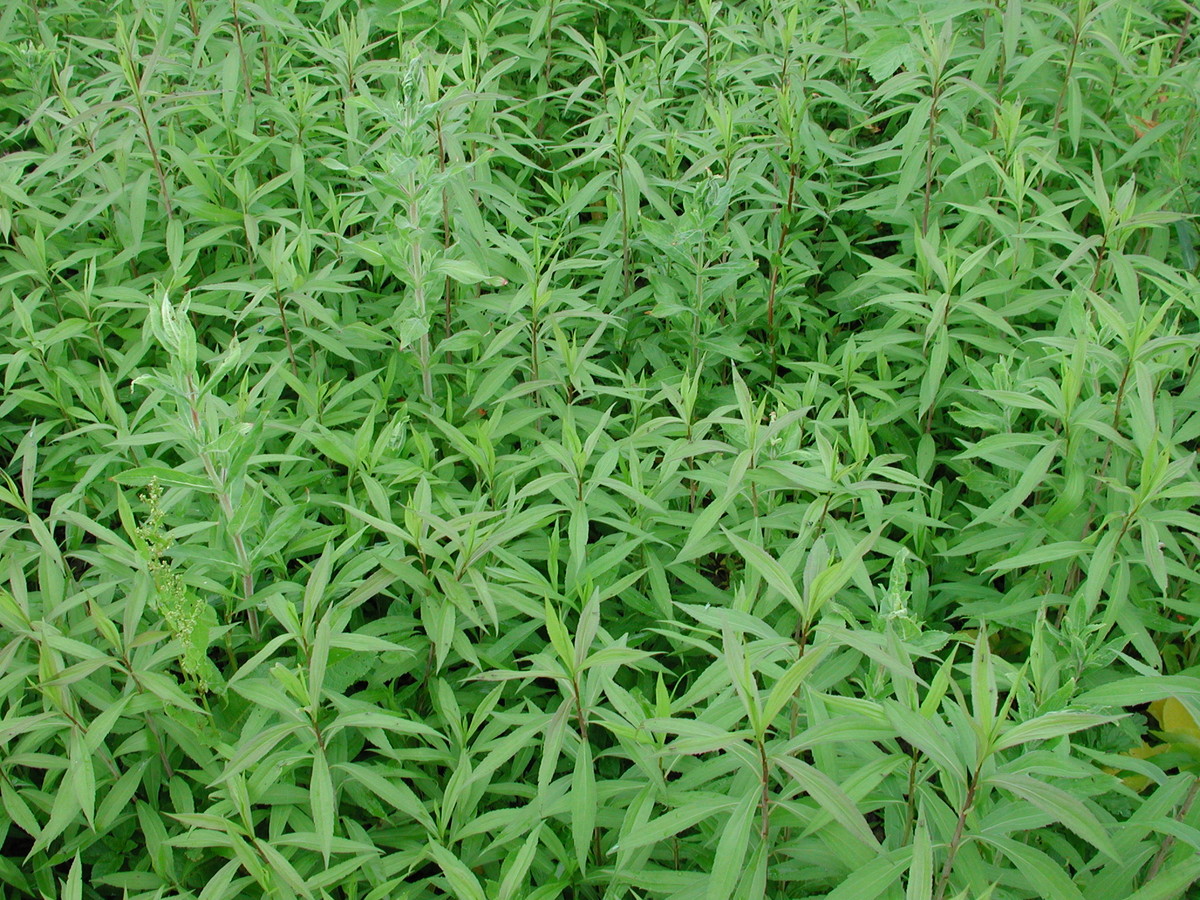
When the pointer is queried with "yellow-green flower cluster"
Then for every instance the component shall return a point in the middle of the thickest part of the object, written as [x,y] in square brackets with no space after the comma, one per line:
[183,611]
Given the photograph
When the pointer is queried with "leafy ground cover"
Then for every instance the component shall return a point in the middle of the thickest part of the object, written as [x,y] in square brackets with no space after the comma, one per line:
[509,450]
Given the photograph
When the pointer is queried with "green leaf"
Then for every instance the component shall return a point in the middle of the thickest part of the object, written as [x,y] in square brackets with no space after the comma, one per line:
[1055,552]
[1170,882]
[1048,726]
[873,877]
[831,798]
[679,819]
[514,878]
[142,475]
[1059,805]
[771,571]
[462,881]
[1042,873]
[72,888]
[464,272]
[707,520]
[255,748]
[397,795]
[984,695]
[559,638]
[784,690]
[934,740]
[82,777]
[324,809]
[920,869]
[314,588]
[380,719]
[1135,690]
[583,804]
[731,848]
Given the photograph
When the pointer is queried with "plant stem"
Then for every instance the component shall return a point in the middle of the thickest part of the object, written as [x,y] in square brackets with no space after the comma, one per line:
[1075,573]
[266,58]
[1169,841]
[140,105]
[447,286]
[418,277]
[239,545]
[1183,33]
[933,117]
[1076,37]
[287,332]
[237,31]
[784,224]
[764,802]
[910,810]
[956,841]
[549,49]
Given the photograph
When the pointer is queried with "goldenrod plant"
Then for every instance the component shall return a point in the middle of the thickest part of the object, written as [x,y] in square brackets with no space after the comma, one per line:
[509,450]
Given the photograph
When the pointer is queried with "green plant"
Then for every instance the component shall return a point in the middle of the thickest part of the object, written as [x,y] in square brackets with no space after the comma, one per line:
[497,450]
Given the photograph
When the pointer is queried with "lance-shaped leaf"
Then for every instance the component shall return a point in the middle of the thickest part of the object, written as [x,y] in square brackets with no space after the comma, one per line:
[1049,726]
[1060,805]
[461,879]
[830,798]
[731,848]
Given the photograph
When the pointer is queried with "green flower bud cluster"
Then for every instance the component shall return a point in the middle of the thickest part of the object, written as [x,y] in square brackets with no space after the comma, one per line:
[188,617]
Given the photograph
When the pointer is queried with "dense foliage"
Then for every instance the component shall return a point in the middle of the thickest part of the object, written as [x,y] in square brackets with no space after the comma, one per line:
[497,449]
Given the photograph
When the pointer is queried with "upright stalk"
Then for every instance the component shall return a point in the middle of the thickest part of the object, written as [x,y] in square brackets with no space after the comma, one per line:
[266,58]
[134,78]
[785,217]
[217,479]
[910,809]
[1169,841]
[549,61]
[1001,64]
[447,285]
[764,800]
[418,277]
[1076,39]
[1076,572]
[933,117]
[708,54]
[237,31]
[847,60]
[626,275]
[287,332]
[956,841]
[698,309]
[582,722]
